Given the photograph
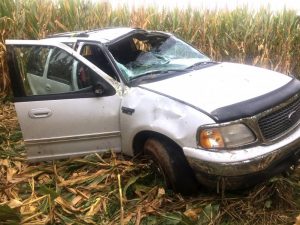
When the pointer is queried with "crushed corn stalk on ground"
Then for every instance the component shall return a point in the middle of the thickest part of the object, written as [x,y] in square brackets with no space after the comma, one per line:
[111,189]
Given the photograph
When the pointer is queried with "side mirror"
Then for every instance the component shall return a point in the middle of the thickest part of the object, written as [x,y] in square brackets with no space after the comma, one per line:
[98,89]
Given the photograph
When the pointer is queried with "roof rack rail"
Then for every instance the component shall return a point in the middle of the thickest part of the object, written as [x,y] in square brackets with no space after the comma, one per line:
[69,34]
[83,33]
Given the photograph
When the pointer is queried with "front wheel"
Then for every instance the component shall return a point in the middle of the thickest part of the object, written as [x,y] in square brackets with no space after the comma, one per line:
[171,162]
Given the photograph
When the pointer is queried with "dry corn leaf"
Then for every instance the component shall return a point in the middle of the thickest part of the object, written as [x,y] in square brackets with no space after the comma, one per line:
[59,178]
[28,209]
[14,203]
[10,173]
[66,205]
[94,186]
[18,164]
[88,220]
[72,190]
[161,192]
[4,162]
[79,174]
[139,216]
[38,221]
[95,208]
[297,220]
[86,194]
[128,218]
[60,25]
[149,209]
[193,213]
[44,179]
[82,179]
[29,174]
[126,163]
[76,200]
[104,205]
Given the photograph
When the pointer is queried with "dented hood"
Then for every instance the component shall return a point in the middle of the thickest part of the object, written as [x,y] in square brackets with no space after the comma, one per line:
[220,85]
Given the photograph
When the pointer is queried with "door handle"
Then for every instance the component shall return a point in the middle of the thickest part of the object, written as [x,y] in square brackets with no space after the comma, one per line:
[40,113]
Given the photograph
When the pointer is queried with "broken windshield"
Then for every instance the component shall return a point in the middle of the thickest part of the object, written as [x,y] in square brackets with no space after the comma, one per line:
[148,53]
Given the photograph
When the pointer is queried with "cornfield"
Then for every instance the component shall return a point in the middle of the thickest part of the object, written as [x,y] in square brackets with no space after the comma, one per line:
[262,38]
[111,189]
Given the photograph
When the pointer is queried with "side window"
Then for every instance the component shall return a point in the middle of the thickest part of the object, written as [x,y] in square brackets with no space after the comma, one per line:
[60,67]
[94,54]
[37,61]
[50,70]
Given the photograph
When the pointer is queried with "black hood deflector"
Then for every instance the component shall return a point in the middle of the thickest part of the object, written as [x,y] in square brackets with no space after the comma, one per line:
[256,105]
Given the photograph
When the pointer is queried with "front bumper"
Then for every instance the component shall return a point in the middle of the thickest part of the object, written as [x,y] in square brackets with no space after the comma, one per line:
[246,161]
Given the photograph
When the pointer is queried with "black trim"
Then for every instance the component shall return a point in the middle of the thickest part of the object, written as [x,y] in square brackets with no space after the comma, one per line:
[14,73]
[127,110]
[84,93]
[256,105]
[178,100]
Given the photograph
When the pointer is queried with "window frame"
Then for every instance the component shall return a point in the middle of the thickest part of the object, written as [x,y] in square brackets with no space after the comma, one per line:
[80,43]
[18,86]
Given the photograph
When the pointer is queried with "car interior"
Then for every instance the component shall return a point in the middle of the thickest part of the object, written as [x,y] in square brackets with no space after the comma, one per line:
[95,55]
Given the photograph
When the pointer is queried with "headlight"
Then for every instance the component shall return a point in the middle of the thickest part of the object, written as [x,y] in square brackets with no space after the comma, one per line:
[228,136]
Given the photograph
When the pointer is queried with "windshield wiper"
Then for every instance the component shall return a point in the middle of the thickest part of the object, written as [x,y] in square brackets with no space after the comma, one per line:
[202,63]
[154,74]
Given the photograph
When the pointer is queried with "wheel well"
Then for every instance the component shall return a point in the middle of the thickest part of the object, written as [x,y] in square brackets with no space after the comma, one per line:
[170,156]
[140,139]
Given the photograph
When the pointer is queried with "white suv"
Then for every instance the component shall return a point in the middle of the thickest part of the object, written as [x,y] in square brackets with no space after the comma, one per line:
[148,92]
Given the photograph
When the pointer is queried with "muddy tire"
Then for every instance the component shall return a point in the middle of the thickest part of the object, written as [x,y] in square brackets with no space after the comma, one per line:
[171,162]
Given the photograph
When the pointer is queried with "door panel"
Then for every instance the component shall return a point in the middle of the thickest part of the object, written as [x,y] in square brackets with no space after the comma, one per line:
[67,127]
[58,112]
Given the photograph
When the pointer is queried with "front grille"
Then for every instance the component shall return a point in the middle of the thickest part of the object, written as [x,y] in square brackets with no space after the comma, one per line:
[278,122]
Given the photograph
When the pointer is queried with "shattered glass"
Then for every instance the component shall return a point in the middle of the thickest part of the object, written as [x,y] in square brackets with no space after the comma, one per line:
[154,54]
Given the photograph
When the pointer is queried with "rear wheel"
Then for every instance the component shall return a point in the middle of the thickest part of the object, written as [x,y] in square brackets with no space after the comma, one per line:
[172,164]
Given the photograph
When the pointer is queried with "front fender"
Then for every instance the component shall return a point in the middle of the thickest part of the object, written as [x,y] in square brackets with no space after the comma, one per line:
[143,110]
